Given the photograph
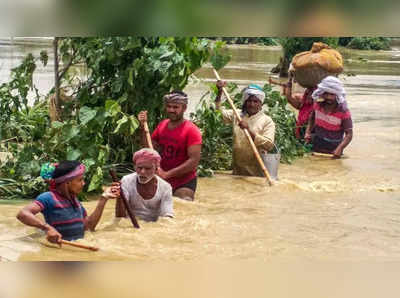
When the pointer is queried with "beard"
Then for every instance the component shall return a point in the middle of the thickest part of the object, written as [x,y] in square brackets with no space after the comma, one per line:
[175,117]
[144,179]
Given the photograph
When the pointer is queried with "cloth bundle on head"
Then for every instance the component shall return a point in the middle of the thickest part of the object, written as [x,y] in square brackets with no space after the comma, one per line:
[47,169]
[255,90]
[79,170]
[332,85]
[176,97]
[147,154]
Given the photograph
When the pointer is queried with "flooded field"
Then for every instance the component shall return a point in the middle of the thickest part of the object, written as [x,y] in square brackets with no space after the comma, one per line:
[347,209]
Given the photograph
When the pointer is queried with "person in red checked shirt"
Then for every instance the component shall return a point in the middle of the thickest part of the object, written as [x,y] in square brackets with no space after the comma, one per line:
[178,141]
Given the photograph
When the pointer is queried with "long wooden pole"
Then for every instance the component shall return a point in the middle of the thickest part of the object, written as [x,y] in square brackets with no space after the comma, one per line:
[320,154]
[246,132]
[92,248]
[56,75]
[125,202]
[148,137]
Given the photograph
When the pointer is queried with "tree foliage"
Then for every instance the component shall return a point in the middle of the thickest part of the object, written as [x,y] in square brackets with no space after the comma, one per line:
[109,80]
[369,43]
[267,41]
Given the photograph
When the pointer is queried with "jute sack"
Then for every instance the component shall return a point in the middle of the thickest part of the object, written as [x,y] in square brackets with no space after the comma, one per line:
[312,66]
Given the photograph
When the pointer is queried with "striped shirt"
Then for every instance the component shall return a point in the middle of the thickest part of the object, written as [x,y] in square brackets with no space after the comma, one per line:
[331,126]
[65,217]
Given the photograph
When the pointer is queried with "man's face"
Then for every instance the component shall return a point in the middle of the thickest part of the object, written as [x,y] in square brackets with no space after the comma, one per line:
[175,111]
[145,171]
[253,105]
[329,98]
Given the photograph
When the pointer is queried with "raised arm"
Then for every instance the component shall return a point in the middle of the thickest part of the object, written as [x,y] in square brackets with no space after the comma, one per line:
[294,99]
[142,117]
[93,219]
[310,126]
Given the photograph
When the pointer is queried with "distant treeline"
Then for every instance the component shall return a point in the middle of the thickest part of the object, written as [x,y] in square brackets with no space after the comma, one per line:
[361,43]
[267,41]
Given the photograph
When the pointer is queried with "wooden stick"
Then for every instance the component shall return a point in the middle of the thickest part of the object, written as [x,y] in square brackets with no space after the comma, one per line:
[320,154]
[92,248]
[246,132]
[272,81]
[148,137]
[125,202]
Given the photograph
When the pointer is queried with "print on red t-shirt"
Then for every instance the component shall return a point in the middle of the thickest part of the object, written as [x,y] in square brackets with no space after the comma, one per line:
[174,145]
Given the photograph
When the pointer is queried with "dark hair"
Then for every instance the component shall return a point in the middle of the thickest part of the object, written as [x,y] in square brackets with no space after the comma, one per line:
[179,92]
[65,167]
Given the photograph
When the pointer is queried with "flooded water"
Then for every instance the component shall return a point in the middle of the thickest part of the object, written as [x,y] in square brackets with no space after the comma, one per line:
[347,209]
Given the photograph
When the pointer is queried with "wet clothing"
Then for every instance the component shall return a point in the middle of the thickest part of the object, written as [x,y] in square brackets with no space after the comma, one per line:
[243,160]
[304,114]
[174,144]
[66,217]
[192,184]
[329,128]
[149,210]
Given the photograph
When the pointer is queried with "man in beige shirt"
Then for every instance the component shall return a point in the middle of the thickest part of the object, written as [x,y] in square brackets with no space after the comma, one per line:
[260,126]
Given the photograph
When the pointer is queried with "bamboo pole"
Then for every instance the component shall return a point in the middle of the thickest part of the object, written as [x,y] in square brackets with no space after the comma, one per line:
[92,248]
[125,202]
[148,137]
[246,132]
[320,154]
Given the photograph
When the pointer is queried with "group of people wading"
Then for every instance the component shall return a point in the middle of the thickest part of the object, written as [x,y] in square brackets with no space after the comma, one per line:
[170,170]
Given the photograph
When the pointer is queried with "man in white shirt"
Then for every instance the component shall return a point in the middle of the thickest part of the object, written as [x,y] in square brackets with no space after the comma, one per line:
[149,195]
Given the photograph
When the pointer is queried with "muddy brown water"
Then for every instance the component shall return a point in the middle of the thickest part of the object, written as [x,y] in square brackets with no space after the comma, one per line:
[347,209]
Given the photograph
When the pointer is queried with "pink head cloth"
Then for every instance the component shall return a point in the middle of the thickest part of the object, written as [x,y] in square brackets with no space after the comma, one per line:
[79,170]
[147,154]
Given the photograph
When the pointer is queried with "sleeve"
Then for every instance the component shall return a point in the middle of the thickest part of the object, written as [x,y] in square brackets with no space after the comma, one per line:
[167,203]
[347,122]
[265,138]
[194,136]
[227,115]
[45,201]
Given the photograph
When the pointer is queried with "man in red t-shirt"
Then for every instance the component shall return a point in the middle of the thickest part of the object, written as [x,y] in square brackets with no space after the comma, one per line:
[179,143]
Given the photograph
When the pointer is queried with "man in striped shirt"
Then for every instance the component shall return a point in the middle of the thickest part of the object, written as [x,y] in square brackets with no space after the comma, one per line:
[331,119]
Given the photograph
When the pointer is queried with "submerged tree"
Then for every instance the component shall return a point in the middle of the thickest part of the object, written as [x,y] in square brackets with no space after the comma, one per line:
[107,81]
